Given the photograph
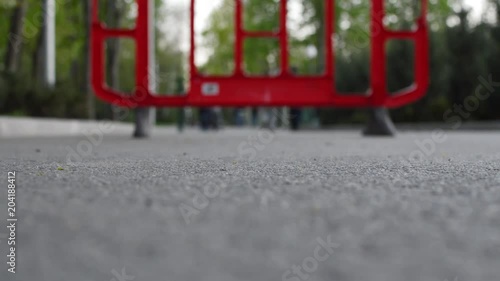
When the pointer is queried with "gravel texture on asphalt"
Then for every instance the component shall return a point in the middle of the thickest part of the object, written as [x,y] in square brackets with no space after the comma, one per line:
[254,205]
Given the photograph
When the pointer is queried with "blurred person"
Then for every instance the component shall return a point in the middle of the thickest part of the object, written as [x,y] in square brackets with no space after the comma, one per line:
[239,117]
[210,118]
[295,116]
[295,113]
[255,116]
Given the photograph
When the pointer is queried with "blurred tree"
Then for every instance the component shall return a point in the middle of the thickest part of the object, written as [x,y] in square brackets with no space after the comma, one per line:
[15,37]
[86,82]
[464,40]
[492,48]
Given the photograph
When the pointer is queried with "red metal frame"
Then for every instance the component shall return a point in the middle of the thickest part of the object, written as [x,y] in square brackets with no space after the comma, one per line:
[282,90]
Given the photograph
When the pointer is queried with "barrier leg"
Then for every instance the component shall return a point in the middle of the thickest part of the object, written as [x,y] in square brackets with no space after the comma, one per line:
[145,118]
[379,123]
[144,121]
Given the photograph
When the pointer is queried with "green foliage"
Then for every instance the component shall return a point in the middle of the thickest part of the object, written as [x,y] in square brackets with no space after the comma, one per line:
[18,97]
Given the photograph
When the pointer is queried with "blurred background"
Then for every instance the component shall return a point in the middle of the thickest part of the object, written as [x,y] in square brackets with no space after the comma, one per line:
[465,44]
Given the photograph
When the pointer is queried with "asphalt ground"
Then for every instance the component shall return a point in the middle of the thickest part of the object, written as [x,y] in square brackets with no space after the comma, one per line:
[254,205]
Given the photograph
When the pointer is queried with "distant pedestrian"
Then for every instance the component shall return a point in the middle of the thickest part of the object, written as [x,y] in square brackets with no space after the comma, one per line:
[209,119]
[295,117]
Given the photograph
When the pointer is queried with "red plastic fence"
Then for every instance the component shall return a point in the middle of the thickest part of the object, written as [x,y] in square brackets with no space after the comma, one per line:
[284,89]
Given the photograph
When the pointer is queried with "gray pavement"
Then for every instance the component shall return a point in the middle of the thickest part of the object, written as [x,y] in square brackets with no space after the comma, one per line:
[255,205]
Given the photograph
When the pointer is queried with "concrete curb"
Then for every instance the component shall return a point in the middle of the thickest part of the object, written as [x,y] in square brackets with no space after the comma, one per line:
[466,126]
[14,127]
[21,127]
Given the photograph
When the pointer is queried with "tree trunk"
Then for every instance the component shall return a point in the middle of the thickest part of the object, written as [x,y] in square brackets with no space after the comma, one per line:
[38,52]
[13,55]
[87,64]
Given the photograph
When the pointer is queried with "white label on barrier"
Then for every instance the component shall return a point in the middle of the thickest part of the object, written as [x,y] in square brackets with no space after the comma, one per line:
[210,89]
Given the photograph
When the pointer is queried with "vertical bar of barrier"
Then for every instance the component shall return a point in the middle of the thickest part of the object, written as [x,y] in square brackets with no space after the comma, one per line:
[192,64]
[238,56]
[142,50]
[97,49]
[285,64]
[378,60]
[152,67]
[95,11]
[329,32]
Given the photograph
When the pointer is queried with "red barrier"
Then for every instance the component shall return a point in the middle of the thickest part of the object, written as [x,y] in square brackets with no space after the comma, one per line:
[282,90]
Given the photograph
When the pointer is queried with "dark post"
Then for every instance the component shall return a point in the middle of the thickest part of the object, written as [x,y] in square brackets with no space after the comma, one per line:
[144,122]
[379,123]
[181,113]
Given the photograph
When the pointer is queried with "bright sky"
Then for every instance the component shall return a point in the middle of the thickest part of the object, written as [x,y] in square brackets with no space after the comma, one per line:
[205,7]
[477,6]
